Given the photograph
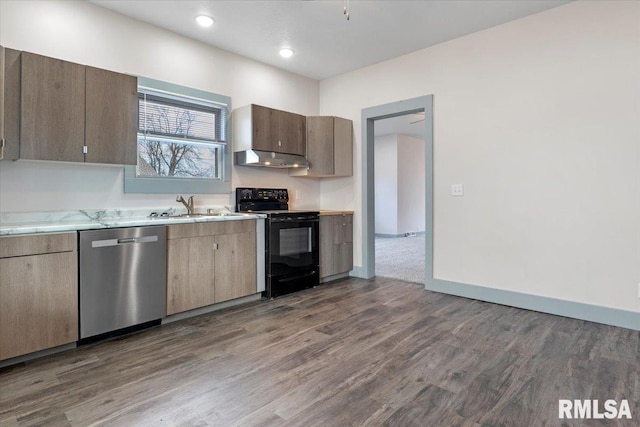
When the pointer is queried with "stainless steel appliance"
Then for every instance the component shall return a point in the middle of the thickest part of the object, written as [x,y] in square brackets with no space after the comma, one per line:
[291,240]
[123,279]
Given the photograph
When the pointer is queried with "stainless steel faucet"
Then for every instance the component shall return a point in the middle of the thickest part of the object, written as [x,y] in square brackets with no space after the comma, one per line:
[187,204]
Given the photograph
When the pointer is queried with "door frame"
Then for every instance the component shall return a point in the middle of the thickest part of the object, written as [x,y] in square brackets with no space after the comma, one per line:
[369,116]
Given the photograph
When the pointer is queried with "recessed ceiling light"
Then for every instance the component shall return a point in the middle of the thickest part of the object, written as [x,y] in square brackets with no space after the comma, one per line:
[286,52]
[204,20]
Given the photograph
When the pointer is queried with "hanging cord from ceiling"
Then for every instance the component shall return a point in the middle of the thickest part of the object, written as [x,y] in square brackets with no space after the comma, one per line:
[346,10]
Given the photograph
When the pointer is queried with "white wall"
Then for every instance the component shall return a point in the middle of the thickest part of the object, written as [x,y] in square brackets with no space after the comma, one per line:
[411,187]
[399,183]
[386,183]
[539,119]
[82,32]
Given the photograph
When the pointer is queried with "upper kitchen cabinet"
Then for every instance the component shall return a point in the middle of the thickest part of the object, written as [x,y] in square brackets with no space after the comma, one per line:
[9,103]
[267,129]
[329,148]
[2,102]
[291,131]
[52,110]
[62,111]
[111,117]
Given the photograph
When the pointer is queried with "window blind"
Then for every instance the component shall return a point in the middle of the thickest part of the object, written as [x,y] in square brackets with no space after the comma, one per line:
[170,116]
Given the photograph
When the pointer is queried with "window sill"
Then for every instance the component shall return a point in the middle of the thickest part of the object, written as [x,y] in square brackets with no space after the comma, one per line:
[133,184]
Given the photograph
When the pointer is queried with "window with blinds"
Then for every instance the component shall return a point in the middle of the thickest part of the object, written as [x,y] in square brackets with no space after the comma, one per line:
[180,136]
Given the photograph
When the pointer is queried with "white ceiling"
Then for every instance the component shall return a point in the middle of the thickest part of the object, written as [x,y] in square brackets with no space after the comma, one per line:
[325,43]
[409,124]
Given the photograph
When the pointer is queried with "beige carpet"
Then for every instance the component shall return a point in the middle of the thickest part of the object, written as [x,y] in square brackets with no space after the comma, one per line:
[401,258]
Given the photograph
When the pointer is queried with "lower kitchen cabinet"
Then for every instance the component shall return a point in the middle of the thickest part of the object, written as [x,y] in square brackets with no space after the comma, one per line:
[38,293]
[210,262]
[336,244]
[235,266]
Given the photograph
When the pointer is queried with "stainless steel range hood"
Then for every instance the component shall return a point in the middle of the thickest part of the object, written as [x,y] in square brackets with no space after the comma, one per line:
[269,159]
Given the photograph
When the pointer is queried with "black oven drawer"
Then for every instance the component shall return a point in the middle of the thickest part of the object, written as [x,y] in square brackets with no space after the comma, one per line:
[282,284]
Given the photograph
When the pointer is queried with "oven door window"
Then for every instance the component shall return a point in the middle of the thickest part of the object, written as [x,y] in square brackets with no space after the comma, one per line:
[295,242]
[293,246]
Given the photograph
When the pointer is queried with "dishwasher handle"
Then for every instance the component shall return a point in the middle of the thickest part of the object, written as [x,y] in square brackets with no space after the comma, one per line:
[124,241]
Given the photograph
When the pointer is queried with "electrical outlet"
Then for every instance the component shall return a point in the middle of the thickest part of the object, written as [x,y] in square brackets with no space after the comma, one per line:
[457,190]
[297,194]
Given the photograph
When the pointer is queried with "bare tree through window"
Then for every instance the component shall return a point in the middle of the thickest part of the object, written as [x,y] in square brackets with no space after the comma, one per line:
[169,142]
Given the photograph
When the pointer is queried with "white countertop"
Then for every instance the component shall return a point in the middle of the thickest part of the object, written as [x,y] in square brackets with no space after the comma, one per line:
[61,221]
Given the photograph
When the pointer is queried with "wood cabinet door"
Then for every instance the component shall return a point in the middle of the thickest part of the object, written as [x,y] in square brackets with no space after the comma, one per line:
[52,111]
[10,104]
[292,133]
[336,244]
[264,128]
[320,145]
[343,257]
[111,117]
[235,266]
[38,302]
[2,143]
[190,273]
[343,147]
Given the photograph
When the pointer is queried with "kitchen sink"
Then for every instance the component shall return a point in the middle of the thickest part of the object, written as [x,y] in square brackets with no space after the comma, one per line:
[197,215]
[193,215]
[206,215]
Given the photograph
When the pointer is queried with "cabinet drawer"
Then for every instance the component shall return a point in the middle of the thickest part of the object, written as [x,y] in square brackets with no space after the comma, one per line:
[240,226]
[214,228]
[342,229]
[14,246]
[198,229]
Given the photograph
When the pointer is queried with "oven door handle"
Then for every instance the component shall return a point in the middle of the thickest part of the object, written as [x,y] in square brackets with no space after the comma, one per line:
[290,279]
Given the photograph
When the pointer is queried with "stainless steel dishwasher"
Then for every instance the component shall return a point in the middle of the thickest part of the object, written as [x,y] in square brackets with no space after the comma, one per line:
[123,278]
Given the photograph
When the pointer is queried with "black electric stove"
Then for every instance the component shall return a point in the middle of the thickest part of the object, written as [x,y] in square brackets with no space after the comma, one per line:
[291,240]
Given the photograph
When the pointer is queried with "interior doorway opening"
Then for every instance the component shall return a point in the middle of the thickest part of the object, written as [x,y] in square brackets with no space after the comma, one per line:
[370,115]
[399,206]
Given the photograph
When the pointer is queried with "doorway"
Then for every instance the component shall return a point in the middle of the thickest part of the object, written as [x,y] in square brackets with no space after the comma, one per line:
[399,206]
[424,105]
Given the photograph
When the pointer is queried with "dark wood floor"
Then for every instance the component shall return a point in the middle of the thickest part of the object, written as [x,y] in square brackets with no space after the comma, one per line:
[356,352]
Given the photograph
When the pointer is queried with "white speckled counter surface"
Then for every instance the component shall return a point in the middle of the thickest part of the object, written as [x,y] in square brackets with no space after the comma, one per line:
[59,221]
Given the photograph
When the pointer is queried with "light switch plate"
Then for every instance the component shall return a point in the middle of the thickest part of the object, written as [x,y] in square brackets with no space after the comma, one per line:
[457,190]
